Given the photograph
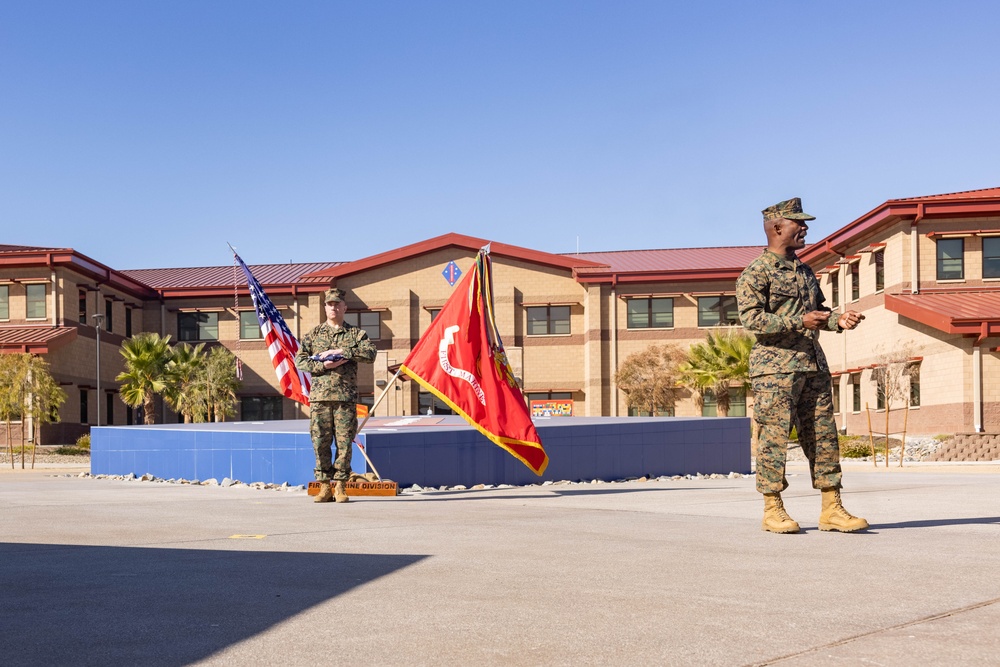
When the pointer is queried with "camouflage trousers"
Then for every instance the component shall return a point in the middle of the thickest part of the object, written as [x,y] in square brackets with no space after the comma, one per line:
[803,400]
[329,422]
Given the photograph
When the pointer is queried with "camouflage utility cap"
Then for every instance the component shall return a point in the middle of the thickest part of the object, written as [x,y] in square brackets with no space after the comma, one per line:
[334,294]
[790,209]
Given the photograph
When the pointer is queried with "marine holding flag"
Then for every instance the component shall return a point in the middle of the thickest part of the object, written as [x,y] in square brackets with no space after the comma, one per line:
[330,353]
[461,360]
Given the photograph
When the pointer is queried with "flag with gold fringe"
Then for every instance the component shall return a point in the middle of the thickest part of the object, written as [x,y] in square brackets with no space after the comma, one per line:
[461,360]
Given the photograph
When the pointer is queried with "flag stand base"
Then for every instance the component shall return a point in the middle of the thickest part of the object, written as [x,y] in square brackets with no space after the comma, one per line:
[362,487]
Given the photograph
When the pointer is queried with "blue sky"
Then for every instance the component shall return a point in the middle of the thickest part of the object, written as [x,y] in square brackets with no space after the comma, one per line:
[148,134]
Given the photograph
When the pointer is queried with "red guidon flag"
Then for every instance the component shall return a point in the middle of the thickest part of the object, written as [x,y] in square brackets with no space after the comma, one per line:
[461,360]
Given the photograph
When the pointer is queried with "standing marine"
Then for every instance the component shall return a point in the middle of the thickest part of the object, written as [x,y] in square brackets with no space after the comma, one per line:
[780,301]
[333,397]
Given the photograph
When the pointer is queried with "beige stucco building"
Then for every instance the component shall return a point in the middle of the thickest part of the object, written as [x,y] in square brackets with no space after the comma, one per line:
[925,272]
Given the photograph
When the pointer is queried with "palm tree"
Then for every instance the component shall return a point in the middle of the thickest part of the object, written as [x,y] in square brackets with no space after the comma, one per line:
[217,384]
[145,375]
[186,362]
[718,364]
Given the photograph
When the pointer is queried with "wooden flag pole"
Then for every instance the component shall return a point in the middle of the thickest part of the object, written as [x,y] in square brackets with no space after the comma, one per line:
[388,385]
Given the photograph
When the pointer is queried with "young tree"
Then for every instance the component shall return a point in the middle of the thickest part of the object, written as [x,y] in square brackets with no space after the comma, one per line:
[649,378]
[28,392]
[892,373]
[718,364]
[11,367]
[145,375]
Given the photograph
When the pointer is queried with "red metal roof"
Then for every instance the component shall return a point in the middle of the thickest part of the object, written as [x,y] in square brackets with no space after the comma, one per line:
[955,312]
[207,277]
[25,248]
[672,259]
[968,204]
[36,340]
[983,193]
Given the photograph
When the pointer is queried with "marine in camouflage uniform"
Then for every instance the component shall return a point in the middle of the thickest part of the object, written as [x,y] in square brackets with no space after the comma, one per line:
[780,301]
[334,392]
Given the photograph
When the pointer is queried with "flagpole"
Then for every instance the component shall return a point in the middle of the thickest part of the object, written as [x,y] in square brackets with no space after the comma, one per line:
[388,385]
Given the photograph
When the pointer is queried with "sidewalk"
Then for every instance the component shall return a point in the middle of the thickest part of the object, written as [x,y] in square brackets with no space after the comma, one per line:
[678,573]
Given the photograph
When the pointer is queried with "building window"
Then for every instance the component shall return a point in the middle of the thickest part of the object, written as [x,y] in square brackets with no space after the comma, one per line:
[737,403]
[128,322]
[915,385]
[879,270]
[84,407]
[108,310]
[429,404]
[717,310]
[109,410]
[835,393]
[548,320]
[249,325]
[434,312]
[260,408]
[129,415]
[855,282]
[880,391]
[991,257]
[659,412]
[856,392]
[4,302]
[834,289]
[35,296]
[548,396]
[197,326]
[651,313]
[82,299]
[951,259]
[370,321]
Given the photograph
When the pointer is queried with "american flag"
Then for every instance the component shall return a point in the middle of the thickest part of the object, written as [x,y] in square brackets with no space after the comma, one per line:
[281,344]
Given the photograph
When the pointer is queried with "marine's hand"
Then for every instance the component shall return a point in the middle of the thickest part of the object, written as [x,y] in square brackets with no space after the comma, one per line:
[850,320]
[815,319]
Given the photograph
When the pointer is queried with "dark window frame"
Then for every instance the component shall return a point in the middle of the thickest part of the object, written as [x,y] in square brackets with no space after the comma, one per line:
[855,273]
[855,392]
[197,330]
[725,309]
[249,322]
[30,301]
[633,317]
[878,258]
[993,258]
[835,289]
[356,318]
[261,408]
[553,323]
[943,262]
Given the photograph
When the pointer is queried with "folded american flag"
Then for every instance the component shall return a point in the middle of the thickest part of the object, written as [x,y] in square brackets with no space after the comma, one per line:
[281,344]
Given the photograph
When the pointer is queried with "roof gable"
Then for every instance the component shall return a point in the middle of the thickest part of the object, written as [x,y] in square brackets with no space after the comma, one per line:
[451,240]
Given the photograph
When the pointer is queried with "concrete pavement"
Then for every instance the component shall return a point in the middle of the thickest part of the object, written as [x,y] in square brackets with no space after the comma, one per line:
[658,573]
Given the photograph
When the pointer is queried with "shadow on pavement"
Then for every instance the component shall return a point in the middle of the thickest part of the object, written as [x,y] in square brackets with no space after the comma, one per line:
[554,493]
[84,605]
[930,523]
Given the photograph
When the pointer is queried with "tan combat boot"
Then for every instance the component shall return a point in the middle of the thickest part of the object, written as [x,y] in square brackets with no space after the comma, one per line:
[834,517]
[339,493]
[776,519]
[325,495]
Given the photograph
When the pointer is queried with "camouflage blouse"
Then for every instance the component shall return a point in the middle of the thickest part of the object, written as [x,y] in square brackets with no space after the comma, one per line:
[773,294]
[341,383]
